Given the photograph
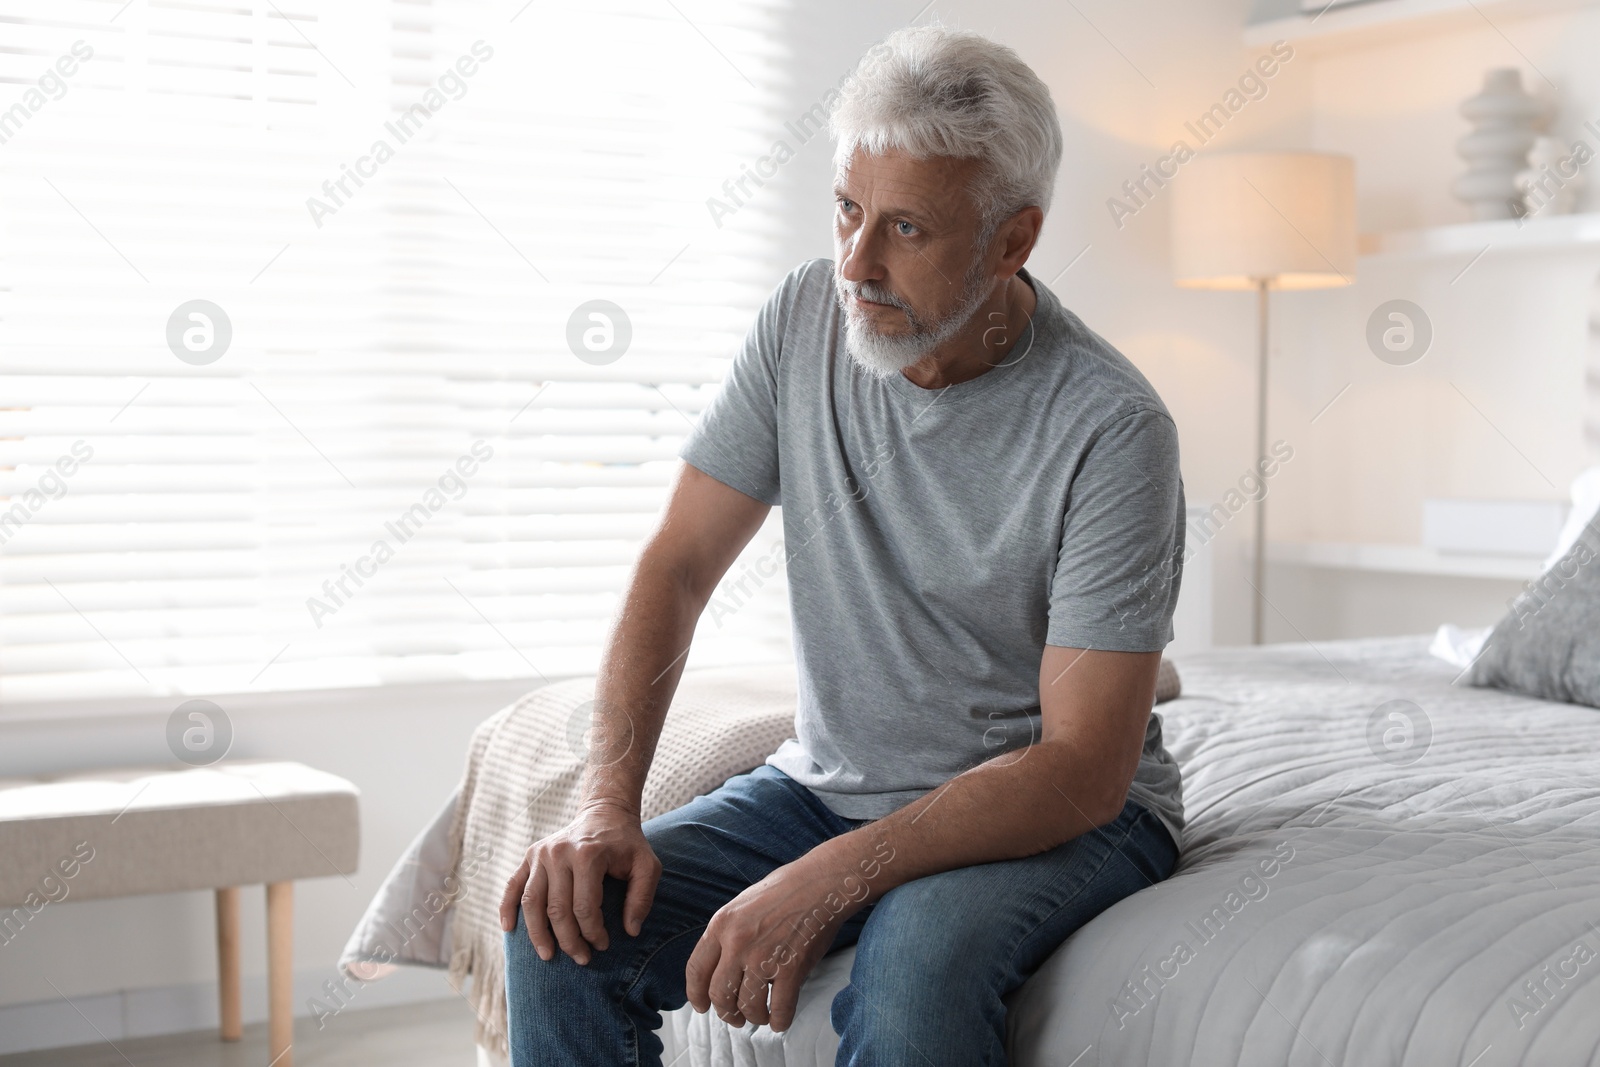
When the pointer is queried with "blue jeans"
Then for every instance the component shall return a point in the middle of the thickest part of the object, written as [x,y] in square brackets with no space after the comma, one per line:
[935,955]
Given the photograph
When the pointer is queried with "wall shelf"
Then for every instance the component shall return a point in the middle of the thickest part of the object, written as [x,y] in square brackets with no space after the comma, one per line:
[1382,21]
[1401,559]
[1551,233]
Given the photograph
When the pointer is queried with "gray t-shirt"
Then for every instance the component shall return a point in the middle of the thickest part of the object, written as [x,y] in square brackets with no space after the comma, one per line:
[938,539]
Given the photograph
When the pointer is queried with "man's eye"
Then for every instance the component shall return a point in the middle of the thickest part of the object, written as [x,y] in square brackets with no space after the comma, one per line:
[846,205]
[905,229]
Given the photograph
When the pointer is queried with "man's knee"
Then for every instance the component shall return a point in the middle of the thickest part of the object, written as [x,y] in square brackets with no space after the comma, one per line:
[530,976]
[904,970]
[904,1014]
[918,931]
[921,981]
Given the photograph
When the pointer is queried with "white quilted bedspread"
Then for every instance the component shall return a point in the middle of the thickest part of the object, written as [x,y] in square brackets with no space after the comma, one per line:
[1438,907]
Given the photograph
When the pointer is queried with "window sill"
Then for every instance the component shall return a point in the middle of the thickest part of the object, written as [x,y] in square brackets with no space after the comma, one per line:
[400,697]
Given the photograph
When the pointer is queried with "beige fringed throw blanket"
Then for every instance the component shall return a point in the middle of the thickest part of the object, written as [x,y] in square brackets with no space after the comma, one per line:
[521,784]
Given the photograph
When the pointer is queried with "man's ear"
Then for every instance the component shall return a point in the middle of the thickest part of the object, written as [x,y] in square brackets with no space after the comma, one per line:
[1017,236]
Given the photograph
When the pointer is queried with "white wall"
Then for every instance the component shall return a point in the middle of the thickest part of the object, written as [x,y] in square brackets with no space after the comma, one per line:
[1496,407]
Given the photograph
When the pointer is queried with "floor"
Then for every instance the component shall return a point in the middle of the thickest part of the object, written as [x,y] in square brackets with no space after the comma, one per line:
[433,1034]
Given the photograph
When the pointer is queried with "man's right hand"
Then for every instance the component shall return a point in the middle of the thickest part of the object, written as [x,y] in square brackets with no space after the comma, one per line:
[701,531]
[558,886]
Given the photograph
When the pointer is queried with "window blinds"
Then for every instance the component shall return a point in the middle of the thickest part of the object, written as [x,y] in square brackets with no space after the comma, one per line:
[312,314]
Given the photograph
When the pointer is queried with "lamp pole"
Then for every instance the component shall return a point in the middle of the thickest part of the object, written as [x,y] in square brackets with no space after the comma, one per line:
[1231,229]
[1259,560]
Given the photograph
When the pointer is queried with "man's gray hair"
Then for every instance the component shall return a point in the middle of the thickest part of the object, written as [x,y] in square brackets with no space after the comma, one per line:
[932,91]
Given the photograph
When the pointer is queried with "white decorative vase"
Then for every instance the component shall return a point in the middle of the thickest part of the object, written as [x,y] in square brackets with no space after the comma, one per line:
[1550,184]
[1505,121]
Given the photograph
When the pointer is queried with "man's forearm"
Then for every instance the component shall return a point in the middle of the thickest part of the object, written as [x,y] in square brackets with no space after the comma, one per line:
[639,671]
[1015,805]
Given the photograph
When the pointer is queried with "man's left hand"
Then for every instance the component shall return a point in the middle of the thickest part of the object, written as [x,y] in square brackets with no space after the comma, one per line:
[769,937]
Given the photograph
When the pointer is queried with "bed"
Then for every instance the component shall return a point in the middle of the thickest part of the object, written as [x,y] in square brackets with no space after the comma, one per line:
[1380,867]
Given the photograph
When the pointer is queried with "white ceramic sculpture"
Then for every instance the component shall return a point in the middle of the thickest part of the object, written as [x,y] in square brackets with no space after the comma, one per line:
[1505,123]
[1550,184]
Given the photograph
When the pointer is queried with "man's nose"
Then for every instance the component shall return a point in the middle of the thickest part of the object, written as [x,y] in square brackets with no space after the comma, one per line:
[859,256]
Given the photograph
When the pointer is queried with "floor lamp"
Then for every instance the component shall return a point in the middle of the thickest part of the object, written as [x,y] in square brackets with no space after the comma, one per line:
[1264,220]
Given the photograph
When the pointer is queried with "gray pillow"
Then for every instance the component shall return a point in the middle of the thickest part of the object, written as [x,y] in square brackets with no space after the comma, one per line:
[1548,645]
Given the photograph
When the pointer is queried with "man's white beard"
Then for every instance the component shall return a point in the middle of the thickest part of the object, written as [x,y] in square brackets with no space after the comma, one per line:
[884,355]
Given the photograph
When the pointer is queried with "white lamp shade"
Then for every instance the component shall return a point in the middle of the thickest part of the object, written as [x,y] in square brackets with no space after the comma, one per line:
[1287,217]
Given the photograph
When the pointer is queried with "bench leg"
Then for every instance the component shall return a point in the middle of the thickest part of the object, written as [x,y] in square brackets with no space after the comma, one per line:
[228,963]
[280,973]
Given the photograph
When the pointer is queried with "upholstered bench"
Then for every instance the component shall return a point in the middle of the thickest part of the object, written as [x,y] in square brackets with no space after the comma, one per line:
[113,833]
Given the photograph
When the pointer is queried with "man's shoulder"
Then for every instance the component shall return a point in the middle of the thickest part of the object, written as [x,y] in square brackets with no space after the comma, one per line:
[809,277]
[804,295]
[813,280]
[1098,382]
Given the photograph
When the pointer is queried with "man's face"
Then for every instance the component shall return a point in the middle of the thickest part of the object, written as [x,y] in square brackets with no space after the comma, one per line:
[907,270]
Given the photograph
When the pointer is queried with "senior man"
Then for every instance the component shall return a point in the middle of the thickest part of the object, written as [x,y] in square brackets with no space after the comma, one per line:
[983,518]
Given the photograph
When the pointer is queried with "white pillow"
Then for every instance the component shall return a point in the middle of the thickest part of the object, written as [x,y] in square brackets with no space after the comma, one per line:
[1585,502]
[1460,647]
